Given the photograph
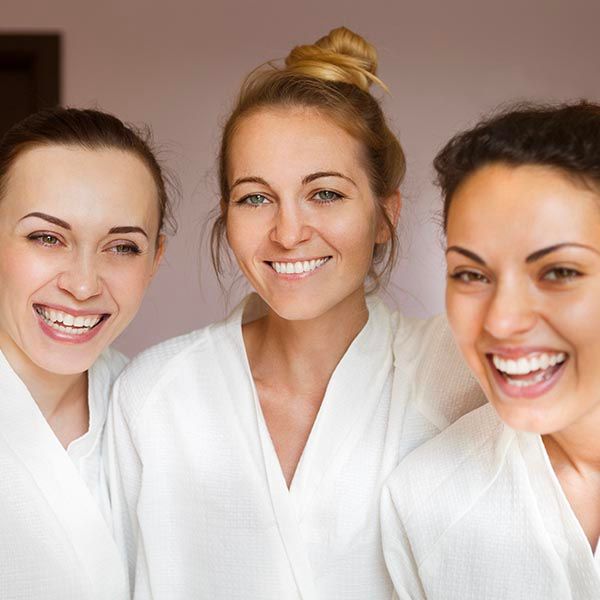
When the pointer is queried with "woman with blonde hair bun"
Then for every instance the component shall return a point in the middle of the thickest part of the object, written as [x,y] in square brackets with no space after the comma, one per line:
[249,455]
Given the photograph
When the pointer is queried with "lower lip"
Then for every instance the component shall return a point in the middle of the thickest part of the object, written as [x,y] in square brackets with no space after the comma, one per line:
[69,338]
[295,276]
[531,391]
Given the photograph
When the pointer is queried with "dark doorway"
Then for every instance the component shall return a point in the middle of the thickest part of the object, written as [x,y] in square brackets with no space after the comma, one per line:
[29,75]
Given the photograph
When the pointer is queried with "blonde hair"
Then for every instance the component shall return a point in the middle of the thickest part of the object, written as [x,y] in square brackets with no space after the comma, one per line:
[333,76]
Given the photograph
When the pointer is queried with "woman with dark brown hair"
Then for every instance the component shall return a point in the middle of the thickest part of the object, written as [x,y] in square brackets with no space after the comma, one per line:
[250,454]
[504,503]
[82,205]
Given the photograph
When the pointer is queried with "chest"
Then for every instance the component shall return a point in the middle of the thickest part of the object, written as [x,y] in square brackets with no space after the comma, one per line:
[289,418]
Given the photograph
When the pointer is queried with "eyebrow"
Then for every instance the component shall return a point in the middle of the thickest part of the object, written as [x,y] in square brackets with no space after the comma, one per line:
[65,225]
[544,251]
[320,174]
[308,179]
[474,257]
[49,218]
[128,229]
[534,256]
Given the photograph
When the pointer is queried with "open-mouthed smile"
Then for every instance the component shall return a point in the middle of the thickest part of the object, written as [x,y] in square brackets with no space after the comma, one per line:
[529,375]
[298,267]
[66,326]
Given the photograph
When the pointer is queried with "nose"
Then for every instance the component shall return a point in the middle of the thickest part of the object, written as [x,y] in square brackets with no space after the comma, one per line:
[511,311]
[290,227]
[80,277]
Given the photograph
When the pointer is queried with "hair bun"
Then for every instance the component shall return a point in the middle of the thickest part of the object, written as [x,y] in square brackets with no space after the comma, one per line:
[342,56]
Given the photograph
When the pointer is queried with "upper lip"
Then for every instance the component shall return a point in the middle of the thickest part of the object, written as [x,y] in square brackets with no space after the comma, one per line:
[519,351]
[72,311]
[293,260]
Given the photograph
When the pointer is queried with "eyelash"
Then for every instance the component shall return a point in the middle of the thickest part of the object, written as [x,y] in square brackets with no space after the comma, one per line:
[561,274]
[39,239]
[465,276]
[125,248]
[337,196]
[245,200]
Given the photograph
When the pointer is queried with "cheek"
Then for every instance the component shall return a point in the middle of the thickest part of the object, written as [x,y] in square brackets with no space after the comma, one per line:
[576,319]
[465,316]
[246,232]
[352,234]
[127,283]
[26,270]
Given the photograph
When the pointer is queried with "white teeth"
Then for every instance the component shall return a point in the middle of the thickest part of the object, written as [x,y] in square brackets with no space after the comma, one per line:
[67,323]
[299,267]
[525,365]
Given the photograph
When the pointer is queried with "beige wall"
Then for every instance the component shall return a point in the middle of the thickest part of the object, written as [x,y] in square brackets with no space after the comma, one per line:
[177,66]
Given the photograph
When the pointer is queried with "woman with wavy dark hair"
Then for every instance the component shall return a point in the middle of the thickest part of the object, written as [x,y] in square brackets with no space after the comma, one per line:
[504,503]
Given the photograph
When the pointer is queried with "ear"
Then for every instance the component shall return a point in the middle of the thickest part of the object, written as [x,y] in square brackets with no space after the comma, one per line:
[391,205]
[161,246]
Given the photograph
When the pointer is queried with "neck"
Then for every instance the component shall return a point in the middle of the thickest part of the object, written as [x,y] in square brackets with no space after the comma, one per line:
[576,447]
[305,353]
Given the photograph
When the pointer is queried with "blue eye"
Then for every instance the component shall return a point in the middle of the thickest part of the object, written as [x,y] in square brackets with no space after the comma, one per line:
[561,274]
[325,196]
[254,200]
[469,277]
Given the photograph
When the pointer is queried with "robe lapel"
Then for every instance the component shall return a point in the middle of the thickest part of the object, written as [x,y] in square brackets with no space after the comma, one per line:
[244,404]
[29,436]
[352,397]
[565,531]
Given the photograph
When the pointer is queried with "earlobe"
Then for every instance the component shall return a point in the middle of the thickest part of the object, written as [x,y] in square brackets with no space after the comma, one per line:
[391,205]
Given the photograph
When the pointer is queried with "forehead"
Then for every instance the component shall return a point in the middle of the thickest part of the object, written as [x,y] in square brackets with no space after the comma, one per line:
[291,141]
[500,208]
[74,182]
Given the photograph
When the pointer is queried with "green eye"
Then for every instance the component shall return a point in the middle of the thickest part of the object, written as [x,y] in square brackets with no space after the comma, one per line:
[125,249]
[49,240]
[254,200]
[327,196]
[45,239]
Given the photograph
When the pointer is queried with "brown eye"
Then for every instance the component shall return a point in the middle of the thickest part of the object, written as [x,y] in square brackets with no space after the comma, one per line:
[561,274]
[469,277]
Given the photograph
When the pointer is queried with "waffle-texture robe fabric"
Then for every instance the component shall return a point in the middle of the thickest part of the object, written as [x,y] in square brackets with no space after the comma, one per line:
[478,512]
[55,538]
[198,494]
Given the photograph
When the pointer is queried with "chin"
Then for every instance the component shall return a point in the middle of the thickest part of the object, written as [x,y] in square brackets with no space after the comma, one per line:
[66,363]
[529,418]
[295,311]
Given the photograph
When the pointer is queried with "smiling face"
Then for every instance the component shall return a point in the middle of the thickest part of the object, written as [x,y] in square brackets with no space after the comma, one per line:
[302,221]
[78,231]
[523,293]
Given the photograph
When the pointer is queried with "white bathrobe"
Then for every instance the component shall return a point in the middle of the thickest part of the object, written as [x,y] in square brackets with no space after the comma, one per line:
[478,513]
[198,494]
[55,541]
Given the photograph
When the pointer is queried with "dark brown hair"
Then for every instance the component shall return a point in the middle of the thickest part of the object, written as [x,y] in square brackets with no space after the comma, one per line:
[90,129]
[332,76]
[565,137]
